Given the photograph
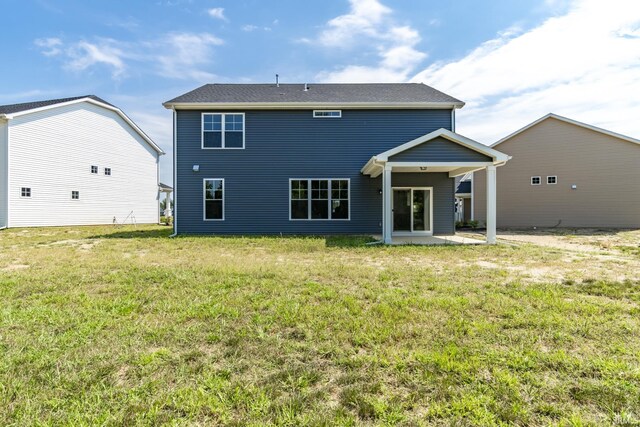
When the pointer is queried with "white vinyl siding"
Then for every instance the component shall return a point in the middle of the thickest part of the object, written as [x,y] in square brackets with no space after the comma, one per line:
[51,152]
[3,174]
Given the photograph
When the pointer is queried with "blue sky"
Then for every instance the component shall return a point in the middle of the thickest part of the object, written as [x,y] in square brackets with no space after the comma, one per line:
[511,61]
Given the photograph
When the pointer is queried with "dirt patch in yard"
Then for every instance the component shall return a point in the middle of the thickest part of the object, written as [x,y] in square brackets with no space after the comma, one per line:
[80,244]
[14,267]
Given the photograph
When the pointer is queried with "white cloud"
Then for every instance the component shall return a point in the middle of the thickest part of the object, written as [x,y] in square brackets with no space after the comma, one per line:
[176,55]
[217,13]
[51,46]
[362,20]
[186,54]
[584,64]
[370,23]
[14,97]
[250,28]
[84,55]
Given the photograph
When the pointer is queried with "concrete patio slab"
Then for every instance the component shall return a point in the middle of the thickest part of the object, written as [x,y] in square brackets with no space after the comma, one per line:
[433,240]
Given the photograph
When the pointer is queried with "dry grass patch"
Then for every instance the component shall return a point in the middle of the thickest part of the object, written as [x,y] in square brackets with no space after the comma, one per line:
[145,330]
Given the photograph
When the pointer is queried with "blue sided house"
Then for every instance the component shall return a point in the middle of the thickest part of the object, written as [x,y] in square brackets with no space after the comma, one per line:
[322,159]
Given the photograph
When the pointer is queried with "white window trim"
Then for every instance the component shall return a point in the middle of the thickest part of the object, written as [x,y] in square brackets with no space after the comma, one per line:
[25,197]
[328,201]
[552,176]
[539,183]
[244,125]
[204,199]
[339,116]
[431,213]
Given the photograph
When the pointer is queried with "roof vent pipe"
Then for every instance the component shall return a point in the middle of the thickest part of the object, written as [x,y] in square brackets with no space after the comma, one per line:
[277,81]
[306,87]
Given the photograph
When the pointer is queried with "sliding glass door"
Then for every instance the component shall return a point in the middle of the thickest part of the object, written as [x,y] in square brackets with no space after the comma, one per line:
[412,210]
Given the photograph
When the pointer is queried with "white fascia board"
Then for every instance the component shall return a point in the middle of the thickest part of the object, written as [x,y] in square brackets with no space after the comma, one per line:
[91,101]
[465,171]
[439,164]
[371,166]
[497,156]
[308,105]
[570,121]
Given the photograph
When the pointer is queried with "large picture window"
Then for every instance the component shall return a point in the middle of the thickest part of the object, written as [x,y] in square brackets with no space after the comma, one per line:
[319,199]
[213,199]
[222,130]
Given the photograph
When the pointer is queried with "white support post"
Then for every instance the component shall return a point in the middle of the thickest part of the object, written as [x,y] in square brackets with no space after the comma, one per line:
[387,215]
[167,204]
[491,204]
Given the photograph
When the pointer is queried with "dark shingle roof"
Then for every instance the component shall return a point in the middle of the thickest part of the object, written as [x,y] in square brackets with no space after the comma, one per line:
[16,108]
[464,187]
[318,93]
[165,186]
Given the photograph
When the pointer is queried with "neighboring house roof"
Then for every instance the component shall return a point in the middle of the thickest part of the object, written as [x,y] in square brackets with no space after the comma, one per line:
[165,187]
[570,121]
[464,187]
[316,94]
[26,106]
[12,111]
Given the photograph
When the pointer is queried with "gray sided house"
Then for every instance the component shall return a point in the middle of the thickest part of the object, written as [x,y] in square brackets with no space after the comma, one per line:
[320,159]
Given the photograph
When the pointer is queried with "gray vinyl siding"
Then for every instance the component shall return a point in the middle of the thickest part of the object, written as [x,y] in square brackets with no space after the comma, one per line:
[440,150]
[280,145]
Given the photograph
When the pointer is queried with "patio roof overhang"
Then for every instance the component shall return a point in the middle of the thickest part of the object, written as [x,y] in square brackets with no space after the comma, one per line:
[376,164]
[447,159]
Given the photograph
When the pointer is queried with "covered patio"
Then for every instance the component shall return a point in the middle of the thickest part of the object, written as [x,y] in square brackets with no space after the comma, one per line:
[418,184]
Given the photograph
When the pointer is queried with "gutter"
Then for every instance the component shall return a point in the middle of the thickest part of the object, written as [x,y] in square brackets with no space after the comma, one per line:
[310,105]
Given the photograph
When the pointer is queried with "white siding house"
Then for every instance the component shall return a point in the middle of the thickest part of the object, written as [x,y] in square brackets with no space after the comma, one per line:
[77,161]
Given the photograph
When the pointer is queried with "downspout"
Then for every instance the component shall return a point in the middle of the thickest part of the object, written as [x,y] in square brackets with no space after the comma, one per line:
[8,173]
[453,119]
[175,173]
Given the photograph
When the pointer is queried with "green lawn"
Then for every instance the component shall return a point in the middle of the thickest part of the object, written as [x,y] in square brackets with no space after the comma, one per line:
[123,326]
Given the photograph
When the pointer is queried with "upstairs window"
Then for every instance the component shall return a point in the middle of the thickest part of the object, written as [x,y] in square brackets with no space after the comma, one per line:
[535,180]
[107,171]
[94,169]
[327,114]
[319,199]
[222,130]
[25,192]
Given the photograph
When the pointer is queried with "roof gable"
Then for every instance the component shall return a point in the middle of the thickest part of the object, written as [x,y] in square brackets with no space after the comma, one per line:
[495,155]
[571,122]
[440,149]
[9,112]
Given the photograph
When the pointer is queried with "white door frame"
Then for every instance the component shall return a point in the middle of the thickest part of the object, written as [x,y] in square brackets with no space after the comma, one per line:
[412,232]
